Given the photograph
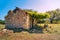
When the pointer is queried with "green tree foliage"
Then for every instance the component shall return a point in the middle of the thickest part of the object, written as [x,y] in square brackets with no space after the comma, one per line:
[42,16]
[54,15]
[2,22]
[35,16]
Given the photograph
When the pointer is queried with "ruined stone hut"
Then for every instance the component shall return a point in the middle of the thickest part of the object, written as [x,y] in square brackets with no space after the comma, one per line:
[17,18]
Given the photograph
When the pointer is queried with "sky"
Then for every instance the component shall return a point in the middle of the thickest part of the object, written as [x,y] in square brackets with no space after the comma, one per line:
[38,5]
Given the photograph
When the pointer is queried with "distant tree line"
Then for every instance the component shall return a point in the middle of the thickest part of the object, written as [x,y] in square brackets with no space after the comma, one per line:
[2,21]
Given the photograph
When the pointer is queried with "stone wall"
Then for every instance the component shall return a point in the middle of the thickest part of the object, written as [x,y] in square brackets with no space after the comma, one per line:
[17,19]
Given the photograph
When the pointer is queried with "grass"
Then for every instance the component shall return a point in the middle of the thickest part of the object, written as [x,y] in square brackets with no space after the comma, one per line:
[31,36]
[55,28]
[2,26]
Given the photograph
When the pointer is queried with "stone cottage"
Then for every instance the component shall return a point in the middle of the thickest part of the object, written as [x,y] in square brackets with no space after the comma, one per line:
[17,18]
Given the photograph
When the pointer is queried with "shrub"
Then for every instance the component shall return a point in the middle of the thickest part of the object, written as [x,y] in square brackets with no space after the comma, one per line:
[2,22]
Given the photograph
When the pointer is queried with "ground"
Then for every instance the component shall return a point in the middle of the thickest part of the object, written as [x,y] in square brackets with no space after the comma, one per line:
[2,26]
[55,28]
[29,36]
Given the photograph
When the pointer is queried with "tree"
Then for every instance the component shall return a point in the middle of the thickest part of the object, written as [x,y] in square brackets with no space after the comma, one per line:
[55,15]
[33,15]
[42,16]
[2,22]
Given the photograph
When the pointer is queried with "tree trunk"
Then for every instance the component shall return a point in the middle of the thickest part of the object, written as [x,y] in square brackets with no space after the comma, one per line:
[35,21]
[32,22]
[51,20]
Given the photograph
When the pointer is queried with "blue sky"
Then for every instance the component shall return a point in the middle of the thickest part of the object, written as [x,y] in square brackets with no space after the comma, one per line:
[38,5]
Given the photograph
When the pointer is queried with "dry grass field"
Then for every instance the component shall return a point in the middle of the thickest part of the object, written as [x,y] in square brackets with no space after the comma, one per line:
[2,26]
[55,28]
[30,36]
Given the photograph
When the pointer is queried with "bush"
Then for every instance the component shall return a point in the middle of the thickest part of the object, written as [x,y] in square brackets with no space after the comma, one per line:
[2,22]
[41,21]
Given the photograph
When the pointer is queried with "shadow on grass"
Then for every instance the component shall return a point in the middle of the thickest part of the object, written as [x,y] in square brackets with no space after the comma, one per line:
[34,29]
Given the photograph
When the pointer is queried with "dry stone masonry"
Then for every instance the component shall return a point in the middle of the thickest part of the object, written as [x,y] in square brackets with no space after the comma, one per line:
[17,18]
